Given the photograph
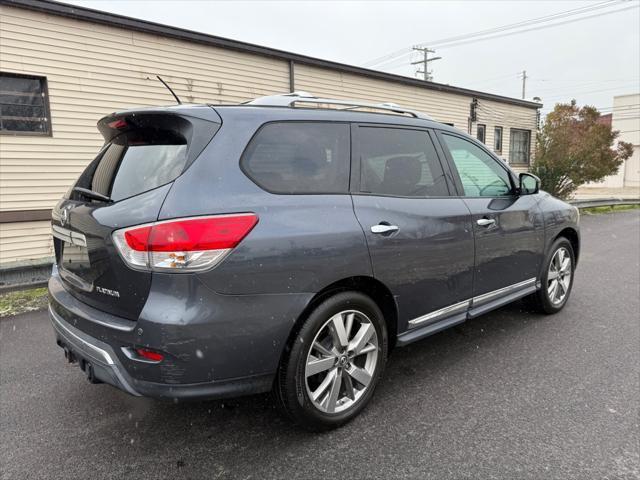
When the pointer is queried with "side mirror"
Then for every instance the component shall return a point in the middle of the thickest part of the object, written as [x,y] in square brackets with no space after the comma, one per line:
[529,184]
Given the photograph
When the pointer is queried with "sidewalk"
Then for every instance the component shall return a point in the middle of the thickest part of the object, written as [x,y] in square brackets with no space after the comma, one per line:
[595,193]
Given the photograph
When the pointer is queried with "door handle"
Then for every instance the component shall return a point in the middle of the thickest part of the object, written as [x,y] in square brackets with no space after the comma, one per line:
[382,228]
[486,222]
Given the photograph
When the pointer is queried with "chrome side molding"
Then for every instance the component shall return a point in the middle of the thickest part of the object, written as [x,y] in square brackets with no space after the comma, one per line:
[467,304]
[450,310]
[485,297]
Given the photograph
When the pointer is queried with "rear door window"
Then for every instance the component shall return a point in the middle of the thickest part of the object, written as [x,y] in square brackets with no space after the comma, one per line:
[134,163]
[400,162]
[300,157]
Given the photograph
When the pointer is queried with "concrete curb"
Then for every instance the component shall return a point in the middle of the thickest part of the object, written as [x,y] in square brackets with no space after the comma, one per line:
[25,275]
[604,202]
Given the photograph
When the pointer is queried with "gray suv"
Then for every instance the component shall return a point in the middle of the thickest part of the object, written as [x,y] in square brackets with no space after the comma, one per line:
[216,251]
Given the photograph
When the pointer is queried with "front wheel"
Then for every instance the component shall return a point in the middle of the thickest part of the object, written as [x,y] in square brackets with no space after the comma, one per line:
[557,278]
[334,363]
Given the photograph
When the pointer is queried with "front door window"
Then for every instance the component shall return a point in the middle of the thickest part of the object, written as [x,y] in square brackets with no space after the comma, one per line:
[480,174]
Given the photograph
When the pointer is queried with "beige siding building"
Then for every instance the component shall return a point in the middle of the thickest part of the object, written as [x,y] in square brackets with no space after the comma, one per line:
[64,67]
[626,120]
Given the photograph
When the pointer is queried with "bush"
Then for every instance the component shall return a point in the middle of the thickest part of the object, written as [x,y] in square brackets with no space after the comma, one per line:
[573,148]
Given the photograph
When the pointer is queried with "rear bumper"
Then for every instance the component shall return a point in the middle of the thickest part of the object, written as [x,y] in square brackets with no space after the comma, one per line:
[90,353]
[215,346]
[101,365]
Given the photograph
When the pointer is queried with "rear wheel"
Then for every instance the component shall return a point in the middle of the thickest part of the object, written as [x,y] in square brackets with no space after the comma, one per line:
[334,363]
[557,278]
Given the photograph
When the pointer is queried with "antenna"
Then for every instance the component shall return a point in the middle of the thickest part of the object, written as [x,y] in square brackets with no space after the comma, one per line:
[169,88]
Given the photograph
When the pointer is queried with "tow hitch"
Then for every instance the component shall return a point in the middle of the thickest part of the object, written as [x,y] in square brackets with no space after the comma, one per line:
[85,366]
[68,354]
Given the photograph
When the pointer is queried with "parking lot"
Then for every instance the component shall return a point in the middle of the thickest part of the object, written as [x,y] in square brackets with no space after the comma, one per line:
[510,395]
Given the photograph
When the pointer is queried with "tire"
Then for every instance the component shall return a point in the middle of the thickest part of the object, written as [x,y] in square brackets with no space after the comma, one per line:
[549,300]
[345,381]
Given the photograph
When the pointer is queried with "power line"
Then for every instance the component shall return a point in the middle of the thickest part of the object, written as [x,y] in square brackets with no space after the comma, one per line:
[490,83]
[580,80]
[534,21]
[623,108]
[395,64]
[571,94]
[471,37]
[581,89]
[546,18]
[499,77]
[581,85]
[541,27]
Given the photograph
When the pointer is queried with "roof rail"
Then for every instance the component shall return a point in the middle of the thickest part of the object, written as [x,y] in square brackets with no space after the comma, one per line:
[289,99]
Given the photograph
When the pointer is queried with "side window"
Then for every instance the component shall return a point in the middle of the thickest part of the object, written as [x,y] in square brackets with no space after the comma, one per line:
[482,133]
[400,162]
[497,140]
[480,174]
[24,105]
[519,150]
[300,157]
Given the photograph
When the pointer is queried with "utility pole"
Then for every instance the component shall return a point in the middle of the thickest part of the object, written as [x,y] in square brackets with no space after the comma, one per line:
[524,83]
[425,62]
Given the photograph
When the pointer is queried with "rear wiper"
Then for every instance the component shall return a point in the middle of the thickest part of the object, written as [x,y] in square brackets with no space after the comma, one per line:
[91,194]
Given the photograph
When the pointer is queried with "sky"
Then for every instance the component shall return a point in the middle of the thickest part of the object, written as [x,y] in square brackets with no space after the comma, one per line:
[590,60]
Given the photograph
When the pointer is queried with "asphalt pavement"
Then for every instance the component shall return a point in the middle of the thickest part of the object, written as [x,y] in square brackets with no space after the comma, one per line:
[511,395]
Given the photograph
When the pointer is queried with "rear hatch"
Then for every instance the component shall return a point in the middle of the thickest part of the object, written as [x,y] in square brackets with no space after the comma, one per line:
[125,185]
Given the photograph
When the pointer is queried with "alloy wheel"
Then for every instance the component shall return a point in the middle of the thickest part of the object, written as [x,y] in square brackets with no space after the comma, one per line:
[559,276]
[341,361]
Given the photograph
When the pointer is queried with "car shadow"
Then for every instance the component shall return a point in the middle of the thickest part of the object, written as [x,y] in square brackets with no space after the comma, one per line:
[413,366]
[421,384]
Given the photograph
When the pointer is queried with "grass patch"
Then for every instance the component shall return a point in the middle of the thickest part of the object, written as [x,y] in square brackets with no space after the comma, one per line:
[611,209]
[21,301]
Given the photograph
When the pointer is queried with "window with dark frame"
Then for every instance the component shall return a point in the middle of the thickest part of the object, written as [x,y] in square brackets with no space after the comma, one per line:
[482,133]
[519,147]
[300,157]
[497,140]
[24,105]
[400,162]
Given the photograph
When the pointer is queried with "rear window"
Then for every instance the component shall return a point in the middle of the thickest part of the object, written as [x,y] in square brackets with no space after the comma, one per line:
[136,162]
[300,157]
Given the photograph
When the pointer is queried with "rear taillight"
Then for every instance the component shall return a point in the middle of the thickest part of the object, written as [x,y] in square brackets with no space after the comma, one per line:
[186,244]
